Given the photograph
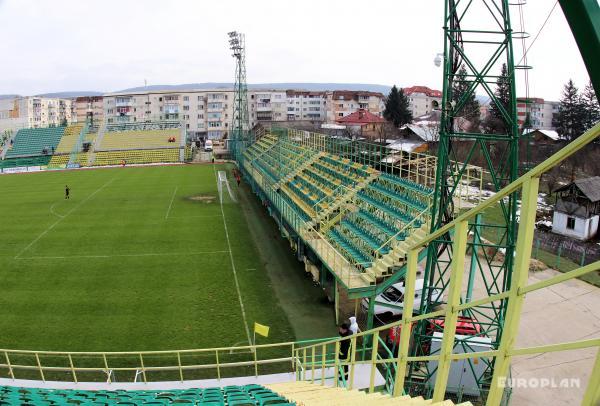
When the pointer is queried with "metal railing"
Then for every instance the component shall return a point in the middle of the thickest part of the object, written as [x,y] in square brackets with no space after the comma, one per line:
[528,185]
[150,366]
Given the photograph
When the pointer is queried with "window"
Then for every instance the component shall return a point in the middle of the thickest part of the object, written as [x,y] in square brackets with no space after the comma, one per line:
[340,114]
[186,98]
[570,223]
[186,108]
[200,116]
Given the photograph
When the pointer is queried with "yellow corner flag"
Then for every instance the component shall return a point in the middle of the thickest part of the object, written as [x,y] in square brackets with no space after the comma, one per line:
[261,329]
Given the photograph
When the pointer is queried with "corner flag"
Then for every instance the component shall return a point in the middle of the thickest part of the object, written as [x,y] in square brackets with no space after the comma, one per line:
[261,329]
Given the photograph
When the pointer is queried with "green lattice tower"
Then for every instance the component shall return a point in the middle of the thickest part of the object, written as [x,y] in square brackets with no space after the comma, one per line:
[478,35]
[239,137]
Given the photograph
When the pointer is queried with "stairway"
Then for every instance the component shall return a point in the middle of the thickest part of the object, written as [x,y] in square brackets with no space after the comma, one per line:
[396,257]
[298,170]
[309,394]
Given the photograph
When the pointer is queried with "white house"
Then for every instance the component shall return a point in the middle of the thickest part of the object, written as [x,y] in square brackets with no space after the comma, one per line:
[577,209]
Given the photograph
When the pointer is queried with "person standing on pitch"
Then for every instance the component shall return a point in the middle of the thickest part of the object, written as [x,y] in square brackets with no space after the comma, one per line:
[67,191]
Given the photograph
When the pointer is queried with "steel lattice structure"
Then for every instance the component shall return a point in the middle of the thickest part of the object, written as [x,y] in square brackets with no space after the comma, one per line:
[240,125]
[463,143]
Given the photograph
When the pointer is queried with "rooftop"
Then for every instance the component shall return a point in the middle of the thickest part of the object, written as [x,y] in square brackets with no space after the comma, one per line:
[361,116]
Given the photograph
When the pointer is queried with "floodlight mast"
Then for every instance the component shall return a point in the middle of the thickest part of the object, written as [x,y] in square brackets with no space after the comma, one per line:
[240,126]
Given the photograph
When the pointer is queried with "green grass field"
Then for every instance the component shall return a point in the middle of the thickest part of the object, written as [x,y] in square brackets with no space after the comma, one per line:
[137,259]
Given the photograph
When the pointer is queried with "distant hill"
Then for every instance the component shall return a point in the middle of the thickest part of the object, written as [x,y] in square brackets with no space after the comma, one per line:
[70,95]
[274,86]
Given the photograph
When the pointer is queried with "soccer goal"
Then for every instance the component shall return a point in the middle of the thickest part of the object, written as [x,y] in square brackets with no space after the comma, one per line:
[223,183]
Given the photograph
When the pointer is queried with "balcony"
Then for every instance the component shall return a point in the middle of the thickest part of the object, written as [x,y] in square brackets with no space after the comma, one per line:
[264,107]
[123,102]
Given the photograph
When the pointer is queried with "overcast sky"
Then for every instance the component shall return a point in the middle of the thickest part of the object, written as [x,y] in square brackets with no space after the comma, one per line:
[107,45]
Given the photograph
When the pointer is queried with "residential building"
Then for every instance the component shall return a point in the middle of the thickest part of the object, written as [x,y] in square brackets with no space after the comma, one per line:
[341,103]
[267,105]
[423,100]
[305,105]
[577,209]
[33,111]
[204,113]
[540,112]
[89,109]
[363,123]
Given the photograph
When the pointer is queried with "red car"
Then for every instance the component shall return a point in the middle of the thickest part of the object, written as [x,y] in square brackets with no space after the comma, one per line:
[465,326]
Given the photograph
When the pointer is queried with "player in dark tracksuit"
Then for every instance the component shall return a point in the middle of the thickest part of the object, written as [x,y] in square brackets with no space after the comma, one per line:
[66,191]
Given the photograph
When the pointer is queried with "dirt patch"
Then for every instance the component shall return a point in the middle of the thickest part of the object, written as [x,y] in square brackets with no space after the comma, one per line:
[202,198]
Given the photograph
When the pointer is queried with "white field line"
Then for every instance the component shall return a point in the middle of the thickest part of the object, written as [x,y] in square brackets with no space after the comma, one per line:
[51,226]
[151,254]
[171,203]
[55,213]
[235,278]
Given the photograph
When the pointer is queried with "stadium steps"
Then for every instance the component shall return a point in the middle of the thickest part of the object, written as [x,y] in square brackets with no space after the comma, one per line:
[347,273]
[62,154]
[32,141]
[346,198]
[305,165]
[313,394]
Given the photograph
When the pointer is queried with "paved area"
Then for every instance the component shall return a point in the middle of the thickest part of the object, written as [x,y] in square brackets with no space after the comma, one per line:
[569,311]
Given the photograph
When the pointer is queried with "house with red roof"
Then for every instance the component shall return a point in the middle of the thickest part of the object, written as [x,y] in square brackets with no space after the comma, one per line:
[363,122]
[423,100]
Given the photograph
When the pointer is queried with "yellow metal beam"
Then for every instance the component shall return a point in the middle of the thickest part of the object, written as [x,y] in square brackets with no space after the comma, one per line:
[519,280]
[459,248]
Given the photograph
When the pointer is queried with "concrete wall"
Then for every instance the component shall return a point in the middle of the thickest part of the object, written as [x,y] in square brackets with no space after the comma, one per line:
[585,228]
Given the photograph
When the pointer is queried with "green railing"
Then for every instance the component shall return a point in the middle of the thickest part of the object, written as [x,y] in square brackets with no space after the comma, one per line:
[528,185]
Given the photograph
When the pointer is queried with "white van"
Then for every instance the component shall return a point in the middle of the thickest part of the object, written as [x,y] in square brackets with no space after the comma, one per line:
[208,145]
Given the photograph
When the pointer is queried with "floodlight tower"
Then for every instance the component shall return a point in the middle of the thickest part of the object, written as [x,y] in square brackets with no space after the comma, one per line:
[478,36]
[240,125]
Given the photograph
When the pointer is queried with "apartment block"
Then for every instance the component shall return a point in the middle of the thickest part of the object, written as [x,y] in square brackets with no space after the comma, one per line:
[205,113]
[305,105]
[34,112]
[540,112]
[89,109]
[341,103]
[423,100]
[267,105]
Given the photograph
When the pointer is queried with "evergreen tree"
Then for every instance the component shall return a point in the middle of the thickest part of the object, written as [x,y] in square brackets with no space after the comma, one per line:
[496,122]
[470,109]
[570,119]
[397,108]
[591,106]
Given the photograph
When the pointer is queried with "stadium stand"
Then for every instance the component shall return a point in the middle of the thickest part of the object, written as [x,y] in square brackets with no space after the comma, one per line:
[63,151]
[19,162]
[366,215]
[33,141]
[136,156]
[137,139]
[246,395]
[138,146]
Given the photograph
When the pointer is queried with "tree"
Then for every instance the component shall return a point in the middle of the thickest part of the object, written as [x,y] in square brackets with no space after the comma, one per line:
[496,121]
[569,121]
[590,106]
[397,108]
[470,109]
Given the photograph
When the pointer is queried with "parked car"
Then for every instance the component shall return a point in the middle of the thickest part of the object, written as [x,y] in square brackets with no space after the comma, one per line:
[208,145]
[394,296]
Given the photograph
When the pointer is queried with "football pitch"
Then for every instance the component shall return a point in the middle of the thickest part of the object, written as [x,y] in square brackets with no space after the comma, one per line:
[138,258]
